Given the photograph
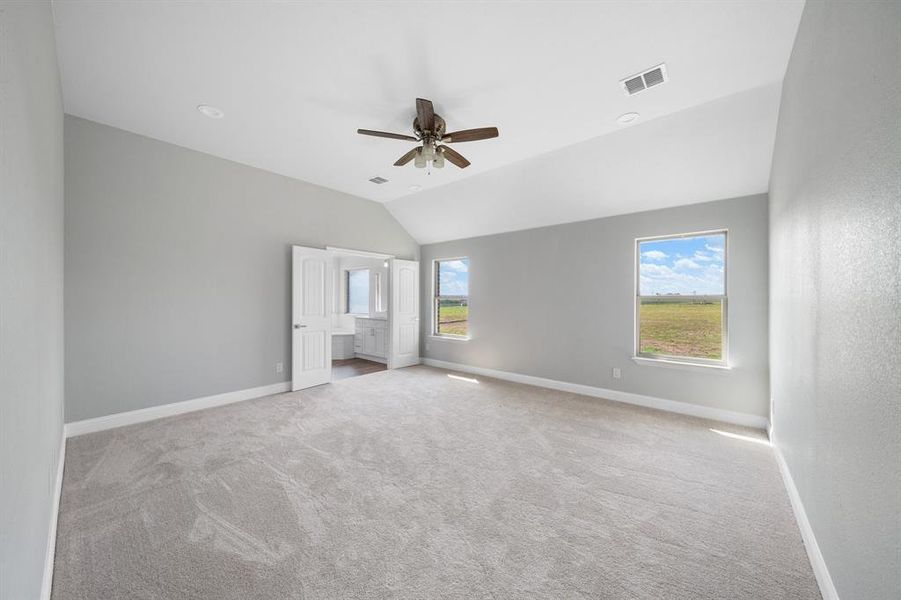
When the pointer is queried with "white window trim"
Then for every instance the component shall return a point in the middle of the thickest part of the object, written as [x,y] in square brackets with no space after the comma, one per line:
[433,329]
[449,338]
[665,360]
[668,363]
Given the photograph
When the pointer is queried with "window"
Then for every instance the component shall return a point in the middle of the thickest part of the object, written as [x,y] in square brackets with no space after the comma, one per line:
[379,307]
[357,286]
[681,301]
[450,316]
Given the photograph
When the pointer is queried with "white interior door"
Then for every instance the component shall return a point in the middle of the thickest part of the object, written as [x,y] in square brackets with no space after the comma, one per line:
[311,333]
[404,314]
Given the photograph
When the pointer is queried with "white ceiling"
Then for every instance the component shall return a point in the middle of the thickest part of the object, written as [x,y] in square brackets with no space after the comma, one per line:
[697,155]
[297,79]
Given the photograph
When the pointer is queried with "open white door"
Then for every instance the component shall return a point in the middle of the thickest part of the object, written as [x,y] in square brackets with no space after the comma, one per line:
[311,333]
[403,347]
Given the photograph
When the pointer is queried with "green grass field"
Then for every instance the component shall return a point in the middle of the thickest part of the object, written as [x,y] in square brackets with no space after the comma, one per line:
[681,329]
[453,319]
[671,328]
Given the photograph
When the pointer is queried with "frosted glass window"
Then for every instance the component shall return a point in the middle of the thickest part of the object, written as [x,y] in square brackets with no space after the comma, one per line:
[357,284]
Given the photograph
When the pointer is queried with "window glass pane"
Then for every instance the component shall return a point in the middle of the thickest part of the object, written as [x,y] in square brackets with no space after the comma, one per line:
[453,315]
[453,277]
[681,327]
[689,266]
[358,292]
[453,297]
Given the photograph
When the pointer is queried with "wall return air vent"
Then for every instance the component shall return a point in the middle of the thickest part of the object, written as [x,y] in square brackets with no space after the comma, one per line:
[638,83]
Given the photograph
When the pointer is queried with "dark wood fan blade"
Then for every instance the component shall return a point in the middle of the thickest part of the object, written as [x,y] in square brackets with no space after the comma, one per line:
[426,114]
[454,156]
[385,134]
[406,157]
[471,135]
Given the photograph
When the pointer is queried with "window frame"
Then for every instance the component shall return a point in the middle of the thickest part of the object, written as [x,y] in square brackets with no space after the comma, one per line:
[722,362]
[347,292]
[435,289]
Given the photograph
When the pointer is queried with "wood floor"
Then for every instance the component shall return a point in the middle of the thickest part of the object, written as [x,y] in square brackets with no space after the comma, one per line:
[351,367]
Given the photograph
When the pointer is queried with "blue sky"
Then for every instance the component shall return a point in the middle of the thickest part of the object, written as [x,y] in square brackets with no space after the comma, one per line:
[453,277]
[691,265]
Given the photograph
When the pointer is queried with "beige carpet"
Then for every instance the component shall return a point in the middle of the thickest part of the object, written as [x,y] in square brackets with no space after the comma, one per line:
[413,484]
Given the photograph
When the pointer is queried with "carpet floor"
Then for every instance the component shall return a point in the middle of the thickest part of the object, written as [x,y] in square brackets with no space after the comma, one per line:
[416,484]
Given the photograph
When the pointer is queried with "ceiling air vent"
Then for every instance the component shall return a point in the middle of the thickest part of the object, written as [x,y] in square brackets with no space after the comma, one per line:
[378,180]
[642,81]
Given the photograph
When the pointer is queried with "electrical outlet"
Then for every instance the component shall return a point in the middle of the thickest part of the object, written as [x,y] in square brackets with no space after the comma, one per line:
[617,373]
[279,367]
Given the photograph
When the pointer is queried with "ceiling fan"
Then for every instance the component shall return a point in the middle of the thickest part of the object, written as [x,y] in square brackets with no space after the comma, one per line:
[429,130]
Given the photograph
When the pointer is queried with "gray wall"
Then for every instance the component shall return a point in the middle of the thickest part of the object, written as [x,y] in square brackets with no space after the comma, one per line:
[31,291]
[558,302]
[835,288]
[178,268]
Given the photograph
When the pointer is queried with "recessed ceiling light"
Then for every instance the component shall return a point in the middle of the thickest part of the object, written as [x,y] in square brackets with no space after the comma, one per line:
[627,118]
[210,111]
[415,188]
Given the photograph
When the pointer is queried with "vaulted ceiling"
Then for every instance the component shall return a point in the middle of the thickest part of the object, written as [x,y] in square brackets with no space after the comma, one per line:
[296,80]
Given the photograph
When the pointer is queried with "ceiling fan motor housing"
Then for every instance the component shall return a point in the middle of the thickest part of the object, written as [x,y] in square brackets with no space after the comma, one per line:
[440,128]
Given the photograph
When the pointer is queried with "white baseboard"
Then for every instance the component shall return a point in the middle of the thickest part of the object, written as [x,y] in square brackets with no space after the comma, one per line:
[50,555]
[684,408]
[820,571]
[167,410]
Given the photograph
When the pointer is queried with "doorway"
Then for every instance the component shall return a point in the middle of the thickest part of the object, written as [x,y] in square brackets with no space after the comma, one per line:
[354,313]
[344,368]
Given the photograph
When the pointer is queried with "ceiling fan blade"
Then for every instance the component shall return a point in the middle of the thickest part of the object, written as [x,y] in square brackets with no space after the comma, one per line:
[426,114]
[470,135]
[454,156]
[406,157]
[385,134]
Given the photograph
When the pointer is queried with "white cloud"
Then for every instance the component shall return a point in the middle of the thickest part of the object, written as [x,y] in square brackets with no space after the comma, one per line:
[654,255]
[453,283]
[686,263]
[652,270]
[456,265]
[661,279]
[717,249]
[702,256]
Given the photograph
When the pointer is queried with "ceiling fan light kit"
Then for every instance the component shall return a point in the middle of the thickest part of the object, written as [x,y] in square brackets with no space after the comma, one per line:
[420,160]
[429,130]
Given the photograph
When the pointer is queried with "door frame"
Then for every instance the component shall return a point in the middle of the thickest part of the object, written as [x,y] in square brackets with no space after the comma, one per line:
[336,252]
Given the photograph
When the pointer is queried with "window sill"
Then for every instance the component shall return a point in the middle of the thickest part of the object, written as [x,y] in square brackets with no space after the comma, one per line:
[678,364]
[449,338]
